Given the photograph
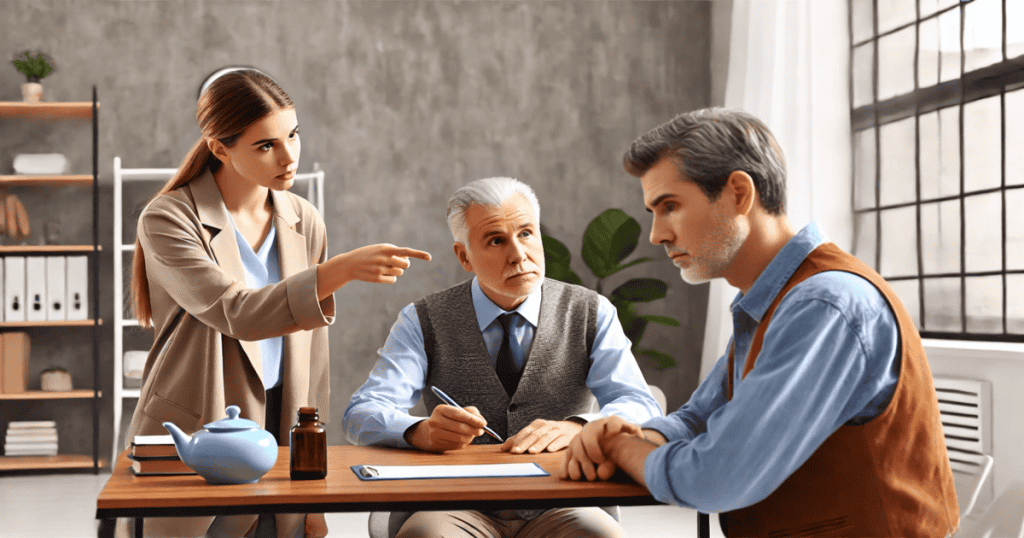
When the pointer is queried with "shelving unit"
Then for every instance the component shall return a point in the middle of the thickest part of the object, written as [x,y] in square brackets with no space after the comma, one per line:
[124,249]
[61,111]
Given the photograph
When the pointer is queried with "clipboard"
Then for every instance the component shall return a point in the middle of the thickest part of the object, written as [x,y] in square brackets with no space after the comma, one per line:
[411,472]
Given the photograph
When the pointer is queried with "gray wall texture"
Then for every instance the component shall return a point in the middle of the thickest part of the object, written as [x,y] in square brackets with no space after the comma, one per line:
[400,102]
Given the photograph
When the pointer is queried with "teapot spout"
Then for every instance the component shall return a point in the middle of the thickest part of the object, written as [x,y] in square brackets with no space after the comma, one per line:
[181,441]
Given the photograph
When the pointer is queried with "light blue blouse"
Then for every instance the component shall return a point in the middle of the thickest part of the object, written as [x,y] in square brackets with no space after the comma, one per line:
[263,268]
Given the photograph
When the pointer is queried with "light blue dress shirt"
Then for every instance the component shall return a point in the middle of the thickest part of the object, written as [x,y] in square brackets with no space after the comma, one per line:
[262,268]
[827,359]
[377,413]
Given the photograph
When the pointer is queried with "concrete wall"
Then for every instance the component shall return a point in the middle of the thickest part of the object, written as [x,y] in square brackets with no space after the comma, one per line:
[401,102]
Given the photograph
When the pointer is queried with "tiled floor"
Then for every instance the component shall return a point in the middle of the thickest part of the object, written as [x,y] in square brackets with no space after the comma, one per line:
[64,506]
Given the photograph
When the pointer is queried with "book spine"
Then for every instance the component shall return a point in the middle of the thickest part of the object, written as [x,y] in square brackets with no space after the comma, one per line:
[30,446]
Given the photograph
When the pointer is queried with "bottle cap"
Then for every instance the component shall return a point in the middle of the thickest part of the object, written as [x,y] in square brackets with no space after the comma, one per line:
[310,412]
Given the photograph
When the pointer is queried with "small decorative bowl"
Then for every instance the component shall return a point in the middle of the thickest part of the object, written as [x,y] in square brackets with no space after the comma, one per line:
[55,380]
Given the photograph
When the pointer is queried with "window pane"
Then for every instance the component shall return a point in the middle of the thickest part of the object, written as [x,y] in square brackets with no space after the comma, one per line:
[1014,29]
[1015,304]
[866,242]
[982,144]
[863,75]
[929,7]
[940,237]
[983,216]
[1014,230]
[908,292]
[949,45]
[940,153]
[899,242]
[897,158]
[985,304]
[894,13]
[942,305]
[864,169]
[1014,105]
[896,64]
[863,13]
[983,33]
[928,53]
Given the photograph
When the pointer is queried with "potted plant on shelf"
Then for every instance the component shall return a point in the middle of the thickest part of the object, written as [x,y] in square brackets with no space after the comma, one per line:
[35,69]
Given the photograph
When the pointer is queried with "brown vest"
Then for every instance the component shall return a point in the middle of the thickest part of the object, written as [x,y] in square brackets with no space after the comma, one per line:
[887,477]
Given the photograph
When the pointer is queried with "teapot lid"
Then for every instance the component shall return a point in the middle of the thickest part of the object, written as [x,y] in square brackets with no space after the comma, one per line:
[232,423]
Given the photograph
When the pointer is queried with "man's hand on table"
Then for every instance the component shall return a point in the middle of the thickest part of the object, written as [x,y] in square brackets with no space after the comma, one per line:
[448,428]
[541,435]
[604,446]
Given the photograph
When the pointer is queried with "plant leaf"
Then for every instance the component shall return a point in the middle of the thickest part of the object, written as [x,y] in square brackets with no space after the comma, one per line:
[563,274]
[641,290]
[661,360]
[556,261]
[637,261]
[609,238]
[555,251]
[662,320]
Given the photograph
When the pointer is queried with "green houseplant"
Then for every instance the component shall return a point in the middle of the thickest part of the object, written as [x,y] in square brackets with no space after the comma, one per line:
[609,239]
[34,69]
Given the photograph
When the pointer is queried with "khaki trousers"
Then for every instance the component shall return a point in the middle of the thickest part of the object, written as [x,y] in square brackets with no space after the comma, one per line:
[588,522]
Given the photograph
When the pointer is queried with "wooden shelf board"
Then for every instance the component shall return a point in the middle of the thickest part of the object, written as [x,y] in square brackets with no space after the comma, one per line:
[78,323]
[43,395]
[62,179]
[29,249]
[82,110]
[60,461]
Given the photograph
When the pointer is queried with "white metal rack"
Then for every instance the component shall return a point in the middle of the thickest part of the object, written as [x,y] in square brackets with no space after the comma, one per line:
[314,193]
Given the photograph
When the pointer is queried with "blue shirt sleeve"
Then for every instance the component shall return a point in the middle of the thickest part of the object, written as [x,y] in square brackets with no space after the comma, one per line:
[376,414]
[828,358]
[690,420]
[615,378]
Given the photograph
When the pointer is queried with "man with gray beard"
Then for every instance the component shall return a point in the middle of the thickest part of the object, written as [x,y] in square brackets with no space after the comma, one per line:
[821,417]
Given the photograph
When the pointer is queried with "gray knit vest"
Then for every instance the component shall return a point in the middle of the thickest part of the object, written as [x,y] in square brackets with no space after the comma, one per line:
[554,381]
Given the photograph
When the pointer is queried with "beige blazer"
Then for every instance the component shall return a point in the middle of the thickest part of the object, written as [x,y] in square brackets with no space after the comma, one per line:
[207,323]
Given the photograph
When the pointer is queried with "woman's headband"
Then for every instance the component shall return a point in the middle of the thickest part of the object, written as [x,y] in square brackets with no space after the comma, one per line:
[223,71]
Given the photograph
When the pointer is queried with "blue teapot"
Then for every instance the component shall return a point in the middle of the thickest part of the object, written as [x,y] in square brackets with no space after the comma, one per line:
[229,451]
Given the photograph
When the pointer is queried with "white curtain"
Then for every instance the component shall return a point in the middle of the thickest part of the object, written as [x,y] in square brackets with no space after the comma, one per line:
[789,66]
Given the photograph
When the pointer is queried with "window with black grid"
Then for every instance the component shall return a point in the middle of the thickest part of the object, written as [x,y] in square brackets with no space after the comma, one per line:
[937,93]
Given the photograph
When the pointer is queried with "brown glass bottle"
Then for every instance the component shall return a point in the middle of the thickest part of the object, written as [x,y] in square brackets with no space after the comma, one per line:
[308,446]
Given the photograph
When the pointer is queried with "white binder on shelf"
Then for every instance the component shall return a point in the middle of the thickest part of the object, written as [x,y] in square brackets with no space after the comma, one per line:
[14,288]
[1,288]
[56,292]
[35,288]
[77,301]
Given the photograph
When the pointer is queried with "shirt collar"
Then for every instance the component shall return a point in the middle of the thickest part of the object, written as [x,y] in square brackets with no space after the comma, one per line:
[487,311]
[774,277]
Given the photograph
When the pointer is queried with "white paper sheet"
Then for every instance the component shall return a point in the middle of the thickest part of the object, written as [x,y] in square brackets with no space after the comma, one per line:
[487,470]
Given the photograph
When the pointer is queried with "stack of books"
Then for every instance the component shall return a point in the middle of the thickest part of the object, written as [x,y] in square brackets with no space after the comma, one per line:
[156,455]
[31,438]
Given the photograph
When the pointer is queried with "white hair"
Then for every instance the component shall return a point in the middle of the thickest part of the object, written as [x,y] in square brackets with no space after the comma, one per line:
[489,192]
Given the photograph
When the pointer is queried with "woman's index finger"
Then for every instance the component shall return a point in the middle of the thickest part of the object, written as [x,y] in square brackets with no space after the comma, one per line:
[411,253]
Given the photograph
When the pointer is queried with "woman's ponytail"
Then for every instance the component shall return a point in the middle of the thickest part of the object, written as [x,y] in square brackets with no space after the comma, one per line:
[198,159]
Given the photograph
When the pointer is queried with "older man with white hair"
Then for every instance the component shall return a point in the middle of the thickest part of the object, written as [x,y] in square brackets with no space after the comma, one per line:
[522,353]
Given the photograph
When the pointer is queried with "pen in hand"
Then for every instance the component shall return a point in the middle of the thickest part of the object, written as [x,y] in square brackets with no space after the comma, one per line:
[448,400]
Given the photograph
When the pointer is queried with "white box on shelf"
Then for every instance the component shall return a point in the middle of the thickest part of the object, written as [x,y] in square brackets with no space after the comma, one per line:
[14,288]
[35,288]
[40,164]
[77,287]
[56,277]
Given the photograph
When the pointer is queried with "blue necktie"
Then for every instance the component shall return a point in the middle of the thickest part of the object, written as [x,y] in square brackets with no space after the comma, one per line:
[505,365]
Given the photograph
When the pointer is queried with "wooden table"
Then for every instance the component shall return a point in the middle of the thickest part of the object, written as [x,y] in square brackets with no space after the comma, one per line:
[126,495]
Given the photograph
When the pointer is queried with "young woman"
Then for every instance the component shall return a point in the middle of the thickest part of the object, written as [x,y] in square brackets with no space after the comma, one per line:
[231,272]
